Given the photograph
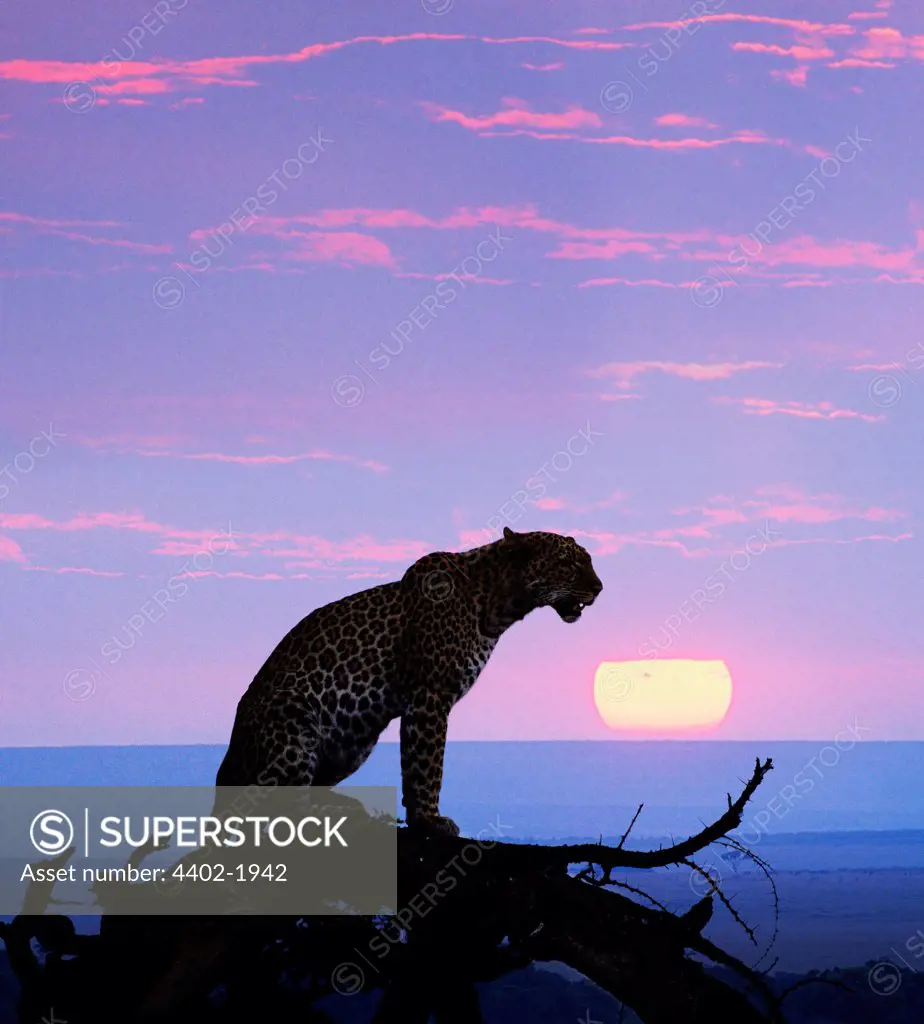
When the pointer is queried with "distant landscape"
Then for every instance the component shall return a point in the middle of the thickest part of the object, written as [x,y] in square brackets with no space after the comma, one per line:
[847,895]
[558,788]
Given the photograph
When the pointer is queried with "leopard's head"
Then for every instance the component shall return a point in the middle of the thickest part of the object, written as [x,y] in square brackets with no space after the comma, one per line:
[553,570]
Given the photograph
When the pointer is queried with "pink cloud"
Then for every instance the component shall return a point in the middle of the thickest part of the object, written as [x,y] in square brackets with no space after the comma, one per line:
[518,119]
[898,538]
[561,504]
[346,248]
[599,282]
[526,216]
[474,279]
[717,524]
[801,410]
[744,136]
[855,62]
[798,52]
[786,503]
[882,11]
[63,570]
[619,398]
[318,550]
[683,121]
[134,86]
[554,66]
[10,551]
[118,243]
[237,574]
[864,46]
[577,242]
[603,543]
[889,44]
[874,367]
[842,253]
[623,374]
[796,25]
[747,137]
[808,251]
[113,440]
[516,114]
[131,521]
[261,460]
[43,224]
[784,507]
[166,76]
[797,77]
[574,44]
[66,229]
[294,550]
[609,250]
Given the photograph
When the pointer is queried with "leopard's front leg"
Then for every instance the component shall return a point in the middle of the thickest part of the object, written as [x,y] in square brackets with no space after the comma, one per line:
[423,746]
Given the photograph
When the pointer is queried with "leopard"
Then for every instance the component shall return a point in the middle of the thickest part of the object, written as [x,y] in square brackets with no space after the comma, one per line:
[408,649]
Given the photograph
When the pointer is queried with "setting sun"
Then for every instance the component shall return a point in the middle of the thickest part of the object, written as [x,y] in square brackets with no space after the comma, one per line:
[662,694]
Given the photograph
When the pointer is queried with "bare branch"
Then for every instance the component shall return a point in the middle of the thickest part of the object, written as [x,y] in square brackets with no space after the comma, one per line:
[725,901]
[613,857]
[625,834]
[734,844]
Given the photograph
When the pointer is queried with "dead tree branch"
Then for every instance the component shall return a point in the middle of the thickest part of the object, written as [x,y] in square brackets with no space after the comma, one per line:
[511,904]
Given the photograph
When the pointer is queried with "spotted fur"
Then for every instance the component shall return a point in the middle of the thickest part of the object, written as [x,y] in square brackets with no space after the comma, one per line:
[409,650]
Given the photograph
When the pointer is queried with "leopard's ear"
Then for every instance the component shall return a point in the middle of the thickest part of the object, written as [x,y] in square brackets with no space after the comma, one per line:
[516,545]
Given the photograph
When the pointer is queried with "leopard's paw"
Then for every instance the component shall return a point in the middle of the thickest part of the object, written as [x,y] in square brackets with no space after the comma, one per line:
[433,823]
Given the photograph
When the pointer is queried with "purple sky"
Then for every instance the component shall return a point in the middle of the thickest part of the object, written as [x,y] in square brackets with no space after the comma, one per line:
[368,281]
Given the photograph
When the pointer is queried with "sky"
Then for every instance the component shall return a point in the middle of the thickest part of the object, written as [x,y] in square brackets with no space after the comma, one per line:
[291,298]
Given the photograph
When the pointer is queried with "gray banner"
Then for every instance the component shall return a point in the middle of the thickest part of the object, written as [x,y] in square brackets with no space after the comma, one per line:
[198,850]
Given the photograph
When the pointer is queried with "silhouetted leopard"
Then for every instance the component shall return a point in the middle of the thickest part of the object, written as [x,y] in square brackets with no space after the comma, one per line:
[407,650]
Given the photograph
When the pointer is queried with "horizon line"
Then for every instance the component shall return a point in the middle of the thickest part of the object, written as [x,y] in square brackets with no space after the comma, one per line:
[395,743]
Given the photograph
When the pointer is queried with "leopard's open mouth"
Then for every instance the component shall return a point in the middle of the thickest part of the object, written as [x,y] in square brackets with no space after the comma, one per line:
[569,608]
